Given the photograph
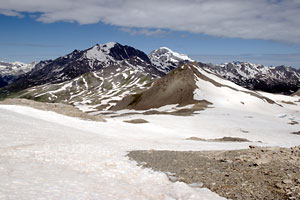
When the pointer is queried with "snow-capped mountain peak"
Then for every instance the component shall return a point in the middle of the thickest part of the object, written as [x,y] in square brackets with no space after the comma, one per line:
[173,55]
[166,60]
[100,52]
[113,51]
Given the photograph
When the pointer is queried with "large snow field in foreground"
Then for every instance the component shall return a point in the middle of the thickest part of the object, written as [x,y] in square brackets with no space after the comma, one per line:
[44,155]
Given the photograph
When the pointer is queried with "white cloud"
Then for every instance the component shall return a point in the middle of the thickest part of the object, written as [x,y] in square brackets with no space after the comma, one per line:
[10,13]
[256,19]
[144,31]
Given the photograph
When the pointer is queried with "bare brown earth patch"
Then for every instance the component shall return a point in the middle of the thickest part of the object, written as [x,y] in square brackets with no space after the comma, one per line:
[296,133]
[288,102]
[59,108]
[297,93]
[136,121]
[293,123]
[223,139]
[256,173]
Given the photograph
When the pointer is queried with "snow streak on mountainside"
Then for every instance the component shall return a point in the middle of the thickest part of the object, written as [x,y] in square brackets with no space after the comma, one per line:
[65,68]
[166,60]
[11,71]
[95,91]
[279,79]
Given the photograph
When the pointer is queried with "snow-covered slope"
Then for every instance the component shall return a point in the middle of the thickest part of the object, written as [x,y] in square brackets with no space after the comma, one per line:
[10,71]
[49,156]
[166,60]
[279,79]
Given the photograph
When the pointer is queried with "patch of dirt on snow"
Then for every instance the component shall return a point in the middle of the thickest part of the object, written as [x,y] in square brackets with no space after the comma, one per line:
[223,139]
[288,102]
[296,133]
[136,121]
[293,123]
[255,173]
[55,107]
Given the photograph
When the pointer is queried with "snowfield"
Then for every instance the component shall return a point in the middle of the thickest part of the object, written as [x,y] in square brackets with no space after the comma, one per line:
[44,155]
[49,156]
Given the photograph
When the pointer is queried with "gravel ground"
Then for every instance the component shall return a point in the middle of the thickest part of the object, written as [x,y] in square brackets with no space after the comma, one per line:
[255,173]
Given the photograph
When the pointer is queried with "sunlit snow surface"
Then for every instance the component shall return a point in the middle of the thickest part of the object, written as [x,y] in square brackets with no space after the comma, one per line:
[48,156]
[44,155]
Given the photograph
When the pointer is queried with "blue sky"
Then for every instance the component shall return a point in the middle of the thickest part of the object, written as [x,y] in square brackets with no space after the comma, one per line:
[33,33]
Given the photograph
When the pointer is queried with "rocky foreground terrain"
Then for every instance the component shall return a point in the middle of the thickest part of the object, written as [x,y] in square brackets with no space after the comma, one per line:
[255,173]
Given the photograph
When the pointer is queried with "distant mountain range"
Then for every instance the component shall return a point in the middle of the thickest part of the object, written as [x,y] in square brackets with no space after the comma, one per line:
[281,79]
[9,72]
[108,76]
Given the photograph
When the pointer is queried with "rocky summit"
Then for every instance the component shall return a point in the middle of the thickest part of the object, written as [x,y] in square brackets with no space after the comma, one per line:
[166,60]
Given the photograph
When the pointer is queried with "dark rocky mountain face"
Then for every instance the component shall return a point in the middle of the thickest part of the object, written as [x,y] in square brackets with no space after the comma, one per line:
[68,67]
[120,52]
[2,82]
[281,79]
